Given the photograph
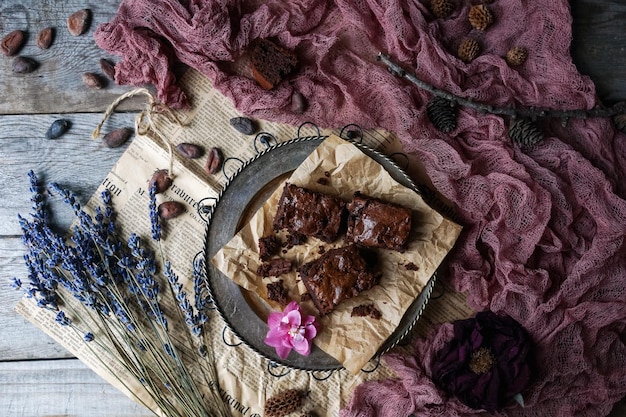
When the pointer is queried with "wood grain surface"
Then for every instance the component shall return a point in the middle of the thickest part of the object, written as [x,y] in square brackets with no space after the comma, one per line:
[37,376]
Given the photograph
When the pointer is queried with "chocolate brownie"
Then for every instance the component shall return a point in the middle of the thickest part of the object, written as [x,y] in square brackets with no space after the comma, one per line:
[268,247]
[276,291]
[270,63]
[310,213]
[378,224]
[338,275]
[274,267]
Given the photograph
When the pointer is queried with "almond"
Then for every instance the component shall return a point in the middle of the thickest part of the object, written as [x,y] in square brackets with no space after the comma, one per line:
[92,80]
[117,137]
[214,161]
[170,210]
[161,179]
[24,65]
[12,42]
[108,68]
[78,22]
[45,38]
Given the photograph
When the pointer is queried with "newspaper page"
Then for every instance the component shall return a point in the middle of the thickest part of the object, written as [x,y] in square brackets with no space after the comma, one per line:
[245,379]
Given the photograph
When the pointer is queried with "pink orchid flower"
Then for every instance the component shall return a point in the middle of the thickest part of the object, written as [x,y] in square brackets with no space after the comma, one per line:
[290,330]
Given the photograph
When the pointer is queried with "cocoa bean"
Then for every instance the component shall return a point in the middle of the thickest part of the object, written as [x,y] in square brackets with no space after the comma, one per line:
[170,210]
[161,180]
[45,38]
[12,42]
[108,68]
[79,22]
[189,150]
[92,80]
[214,161]
[24,65]
[298,103]
[244,125]
[58,128]
[117,137]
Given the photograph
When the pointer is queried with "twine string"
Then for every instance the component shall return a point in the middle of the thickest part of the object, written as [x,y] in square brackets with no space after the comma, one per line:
[144,122]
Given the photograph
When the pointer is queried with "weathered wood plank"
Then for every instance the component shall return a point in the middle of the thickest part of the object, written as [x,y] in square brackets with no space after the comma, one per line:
[599,45]
[60,388]
[75,159]
[20,339]
[57,83]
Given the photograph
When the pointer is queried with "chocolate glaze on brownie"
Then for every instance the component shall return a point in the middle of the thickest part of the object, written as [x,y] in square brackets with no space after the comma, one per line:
[310,213]
[338,275]
[378,224]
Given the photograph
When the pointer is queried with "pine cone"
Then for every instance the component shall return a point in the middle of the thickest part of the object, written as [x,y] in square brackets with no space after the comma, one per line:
[468,49]
[442,114]
[619,120]
[525,133]
[284,403]
[441,8]
[480,17]
[516,56]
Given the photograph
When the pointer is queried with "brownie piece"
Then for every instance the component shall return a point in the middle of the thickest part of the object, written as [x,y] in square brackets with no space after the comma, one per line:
[268,247]
[309,213]
[274,268]
[276,291]
[364,310]
[338,275]
[378,224]
[270,63]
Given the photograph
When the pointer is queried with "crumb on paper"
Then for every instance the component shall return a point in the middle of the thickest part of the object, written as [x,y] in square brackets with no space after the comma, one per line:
[411,267]
[365,310]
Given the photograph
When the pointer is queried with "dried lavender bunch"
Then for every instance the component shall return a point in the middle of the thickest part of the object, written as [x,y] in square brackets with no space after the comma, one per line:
[110,291]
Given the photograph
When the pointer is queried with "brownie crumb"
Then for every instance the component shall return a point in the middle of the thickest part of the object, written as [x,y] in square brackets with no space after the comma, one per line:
[321,250]
[323,181]
[327,174]
[412,267]
[305,297]
[364,310]
[276,291]
[294,239]
[274,267]
[268,247]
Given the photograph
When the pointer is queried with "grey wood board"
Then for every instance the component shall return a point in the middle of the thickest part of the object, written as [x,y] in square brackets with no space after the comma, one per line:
[57,83]
[75,160]
[61,388]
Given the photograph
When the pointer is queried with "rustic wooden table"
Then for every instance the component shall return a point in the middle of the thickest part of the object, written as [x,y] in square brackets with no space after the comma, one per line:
[37,376]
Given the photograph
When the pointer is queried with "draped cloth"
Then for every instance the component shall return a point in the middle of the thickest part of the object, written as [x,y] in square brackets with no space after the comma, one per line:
[544,228]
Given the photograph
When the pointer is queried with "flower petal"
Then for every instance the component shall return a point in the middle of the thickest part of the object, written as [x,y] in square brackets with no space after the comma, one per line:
[302,346]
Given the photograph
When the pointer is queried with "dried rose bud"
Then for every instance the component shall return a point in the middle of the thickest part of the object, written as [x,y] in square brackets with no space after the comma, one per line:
[189,150]
[161,180]
[170,210]
[117,137]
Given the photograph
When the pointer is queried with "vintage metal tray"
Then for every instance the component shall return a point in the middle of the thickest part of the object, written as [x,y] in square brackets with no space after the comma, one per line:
[241,197]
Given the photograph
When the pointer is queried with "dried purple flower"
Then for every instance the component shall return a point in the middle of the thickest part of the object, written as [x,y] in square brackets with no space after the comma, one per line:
[154,213]
[486,364]
[88,337]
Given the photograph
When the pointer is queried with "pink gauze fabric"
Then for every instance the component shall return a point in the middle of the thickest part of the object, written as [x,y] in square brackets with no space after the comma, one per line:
[544,229]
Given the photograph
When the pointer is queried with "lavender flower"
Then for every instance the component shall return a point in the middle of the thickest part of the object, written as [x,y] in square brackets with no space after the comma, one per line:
[154,214]
[118,285]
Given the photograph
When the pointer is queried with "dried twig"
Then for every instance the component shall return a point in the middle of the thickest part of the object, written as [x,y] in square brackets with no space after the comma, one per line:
[531,113]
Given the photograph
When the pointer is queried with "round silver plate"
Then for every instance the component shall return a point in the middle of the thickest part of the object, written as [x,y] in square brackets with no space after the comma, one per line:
[246,191]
